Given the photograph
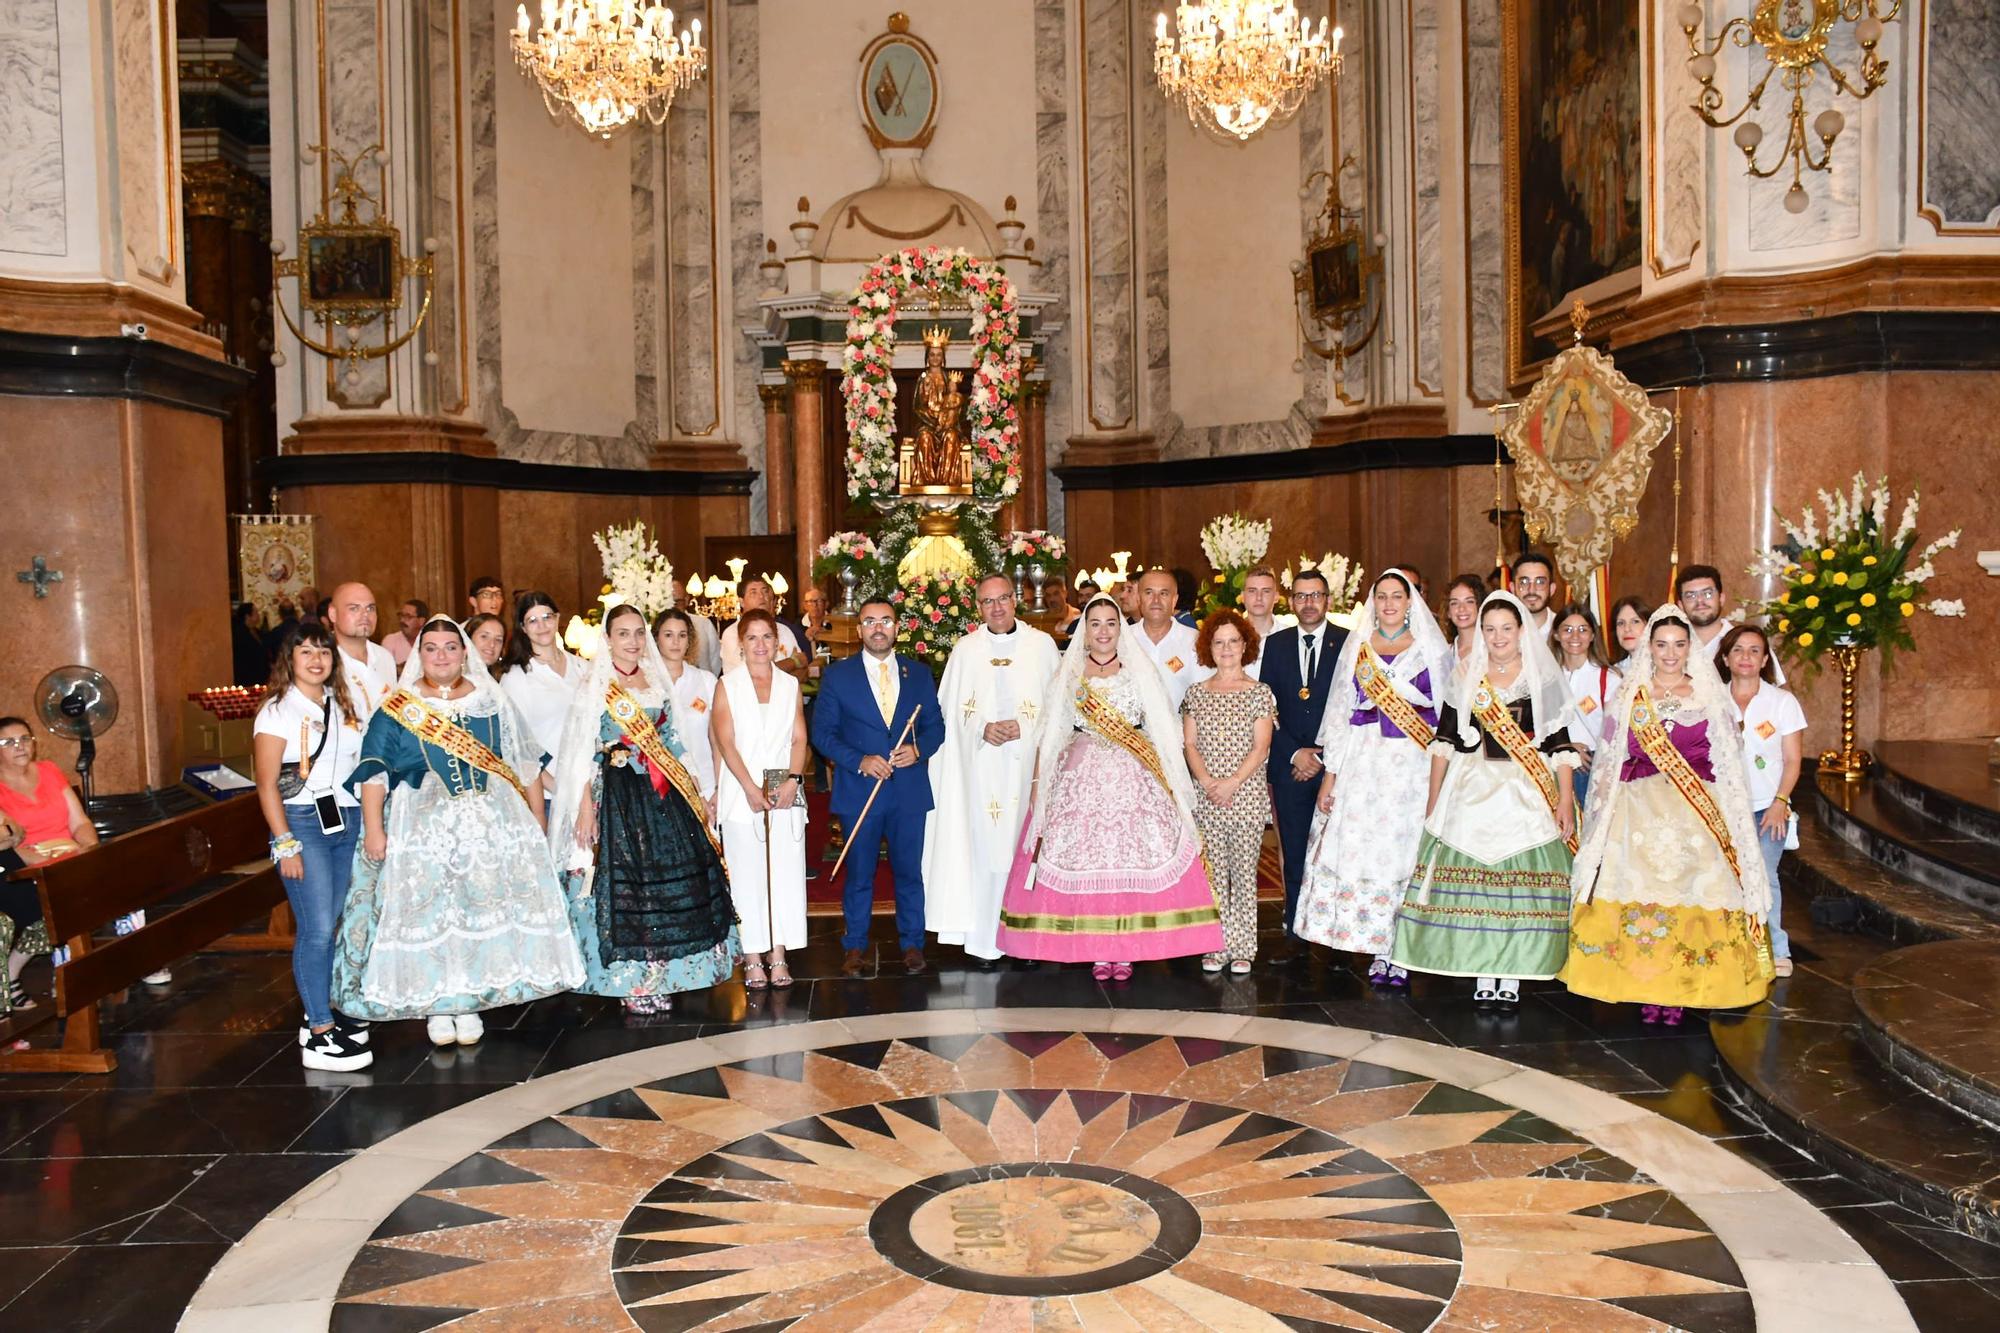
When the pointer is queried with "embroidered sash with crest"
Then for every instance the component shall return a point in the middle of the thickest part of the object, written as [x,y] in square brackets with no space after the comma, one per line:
[1372,675]
[1498,720]
[637,724]
[1653,739]
[1107,723]
[434,728]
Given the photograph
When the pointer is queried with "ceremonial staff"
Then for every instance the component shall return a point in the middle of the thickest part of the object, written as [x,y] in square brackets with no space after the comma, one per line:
[870,802]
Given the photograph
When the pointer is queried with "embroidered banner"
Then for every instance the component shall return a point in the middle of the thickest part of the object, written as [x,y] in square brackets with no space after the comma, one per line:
[432,727]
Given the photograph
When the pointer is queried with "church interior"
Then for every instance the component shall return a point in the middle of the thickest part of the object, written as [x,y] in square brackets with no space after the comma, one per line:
[875,314]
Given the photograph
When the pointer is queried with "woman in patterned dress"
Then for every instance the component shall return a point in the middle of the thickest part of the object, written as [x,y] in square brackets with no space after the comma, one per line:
[1109,869]
[1671,895]
[1375,743]
[648,897]
[1227,722]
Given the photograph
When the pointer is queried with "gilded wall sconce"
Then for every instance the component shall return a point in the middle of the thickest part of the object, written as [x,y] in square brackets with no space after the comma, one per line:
[1793,36]
[1331,285]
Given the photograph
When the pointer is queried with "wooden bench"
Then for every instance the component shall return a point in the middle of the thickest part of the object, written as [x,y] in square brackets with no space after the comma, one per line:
[83,893]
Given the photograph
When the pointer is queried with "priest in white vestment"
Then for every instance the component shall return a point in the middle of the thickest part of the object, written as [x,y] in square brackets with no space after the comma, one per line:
[991,699]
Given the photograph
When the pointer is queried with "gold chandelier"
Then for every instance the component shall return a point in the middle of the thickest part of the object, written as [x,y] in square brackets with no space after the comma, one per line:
[1792,36]
[1241,65]
[605,63]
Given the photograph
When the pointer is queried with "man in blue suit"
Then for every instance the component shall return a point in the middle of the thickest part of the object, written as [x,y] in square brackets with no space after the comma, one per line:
[864,703]
[1297,663]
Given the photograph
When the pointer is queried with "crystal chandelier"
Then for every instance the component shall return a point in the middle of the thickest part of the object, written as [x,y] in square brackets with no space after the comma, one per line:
[606,62]
[1241,65]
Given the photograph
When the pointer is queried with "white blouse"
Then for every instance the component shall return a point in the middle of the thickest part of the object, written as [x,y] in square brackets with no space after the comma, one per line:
[694,693]
[543,697]
[1592,687]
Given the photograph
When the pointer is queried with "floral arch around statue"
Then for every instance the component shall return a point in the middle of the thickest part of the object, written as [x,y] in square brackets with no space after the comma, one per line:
[992,412]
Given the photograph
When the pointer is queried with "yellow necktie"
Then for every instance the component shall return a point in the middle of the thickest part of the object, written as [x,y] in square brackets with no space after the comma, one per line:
[883,699]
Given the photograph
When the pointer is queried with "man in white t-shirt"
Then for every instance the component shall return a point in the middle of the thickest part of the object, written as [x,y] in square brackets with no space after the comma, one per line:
[1772,726]
[1260,594]
[1698,590]
[369,669]
[1167,641]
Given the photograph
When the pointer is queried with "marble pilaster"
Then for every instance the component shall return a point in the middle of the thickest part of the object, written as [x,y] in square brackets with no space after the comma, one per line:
[778,484]
[1348,130]
[808,380]
[692,254]
[1961,83]
[33,211]
[1427,253]
[1052,189]
[1485,278]
[1107,167]
[744,181]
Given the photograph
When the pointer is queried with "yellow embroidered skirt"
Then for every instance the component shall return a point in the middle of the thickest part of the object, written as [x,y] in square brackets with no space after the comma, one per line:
[1641,938]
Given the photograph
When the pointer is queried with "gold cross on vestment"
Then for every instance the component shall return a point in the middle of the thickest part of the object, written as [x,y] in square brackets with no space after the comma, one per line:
[994,810]
[1029,708]
[971,707]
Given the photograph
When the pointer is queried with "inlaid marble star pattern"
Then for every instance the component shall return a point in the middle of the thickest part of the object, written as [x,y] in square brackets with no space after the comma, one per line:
[1044,1181]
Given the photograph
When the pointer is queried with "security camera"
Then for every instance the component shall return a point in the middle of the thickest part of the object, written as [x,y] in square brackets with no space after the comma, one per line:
[132,330]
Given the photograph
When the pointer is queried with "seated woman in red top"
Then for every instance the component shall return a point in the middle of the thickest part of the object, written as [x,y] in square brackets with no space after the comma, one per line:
[40,818]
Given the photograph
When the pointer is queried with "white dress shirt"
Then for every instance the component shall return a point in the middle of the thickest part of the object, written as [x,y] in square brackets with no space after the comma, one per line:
[369,682]
[694,693]
[543,698]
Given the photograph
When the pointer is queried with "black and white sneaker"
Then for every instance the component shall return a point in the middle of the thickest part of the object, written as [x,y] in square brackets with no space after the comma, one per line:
[335,1050]
[356,1030]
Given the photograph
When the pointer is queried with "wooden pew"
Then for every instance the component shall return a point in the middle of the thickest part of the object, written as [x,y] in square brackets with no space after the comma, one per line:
[83,893]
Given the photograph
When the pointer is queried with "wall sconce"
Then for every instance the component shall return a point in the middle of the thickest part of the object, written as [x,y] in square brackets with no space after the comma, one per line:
[1330,286]
[1792,34]
[351,275]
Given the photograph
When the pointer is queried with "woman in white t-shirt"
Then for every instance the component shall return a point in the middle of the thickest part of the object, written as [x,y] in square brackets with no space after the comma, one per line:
[539,675]
[306,741]
[694,697]
[1578,645]
[1773,727]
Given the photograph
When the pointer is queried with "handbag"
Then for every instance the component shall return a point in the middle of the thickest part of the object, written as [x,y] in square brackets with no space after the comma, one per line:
[292,777]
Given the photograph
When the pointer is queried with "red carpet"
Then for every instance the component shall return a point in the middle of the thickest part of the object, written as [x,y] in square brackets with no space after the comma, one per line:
[823,893]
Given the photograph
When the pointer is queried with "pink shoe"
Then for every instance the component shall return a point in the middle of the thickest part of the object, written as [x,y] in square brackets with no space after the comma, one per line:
[1649,1013]
[1121,971]
[1671,1017]
[1100,972]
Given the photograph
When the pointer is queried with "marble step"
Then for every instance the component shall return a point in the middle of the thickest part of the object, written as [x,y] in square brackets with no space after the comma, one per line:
[1848,891]
[1931,1013]
[1948,781]
[1911,844]
[1803,1070]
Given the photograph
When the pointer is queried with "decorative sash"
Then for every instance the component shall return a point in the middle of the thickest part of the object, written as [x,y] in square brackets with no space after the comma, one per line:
[633,720]
[1373,677]
[1652,735]
[434,728]
[1498,720]
[1107,723]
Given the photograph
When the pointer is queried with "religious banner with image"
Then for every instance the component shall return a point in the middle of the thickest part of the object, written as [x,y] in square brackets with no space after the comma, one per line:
[1582,444]
[275,559]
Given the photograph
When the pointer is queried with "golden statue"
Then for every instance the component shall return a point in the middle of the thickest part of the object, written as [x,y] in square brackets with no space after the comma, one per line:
[939,460]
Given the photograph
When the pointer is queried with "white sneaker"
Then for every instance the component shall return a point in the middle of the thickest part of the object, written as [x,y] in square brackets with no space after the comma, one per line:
[332,1050]
[469,1028]
[441,1030]
[159,978]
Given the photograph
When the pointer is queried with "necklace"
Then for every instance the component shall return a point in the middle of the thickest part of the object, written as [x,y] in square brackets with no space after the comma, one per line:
[1093,657]
[623,672]
[1401,630]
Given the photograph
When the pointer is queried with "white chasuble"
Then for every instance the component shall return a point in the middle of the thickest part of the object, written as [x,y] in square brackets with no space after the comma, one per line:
[980,791]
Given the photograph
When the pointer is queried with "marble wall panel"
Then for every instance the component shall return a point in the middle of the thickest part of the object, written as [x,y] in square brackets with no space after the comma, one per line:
[1961,97]
[33,211]
[1110,227]
[1052,238]
[1677,213]
[646,163]
[444,62]
[145,155]
[1833,210]
[1314,132]
[1158,407]
[354,119]
[1485,241]
[692,254]
[1348,106]
[743,180]
[1426,184]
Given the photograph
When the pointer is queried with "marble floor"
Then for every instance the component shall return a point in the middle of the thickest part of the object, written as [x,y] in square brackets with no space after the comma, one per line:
[1013,1149]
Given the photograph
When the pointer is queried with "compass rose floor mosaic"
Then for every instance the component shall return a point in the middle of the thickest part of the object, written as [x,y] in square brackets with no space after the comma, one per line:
[1048,1169]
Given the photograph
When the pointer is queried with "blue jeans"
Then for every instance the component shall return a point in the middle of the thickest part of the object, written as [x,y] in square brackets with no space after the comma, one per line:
[1781,943]
[317,898]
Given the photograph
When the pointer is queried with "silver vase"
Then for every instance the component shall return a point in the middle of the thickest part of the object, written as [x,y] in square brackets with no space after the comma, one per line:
[849,581]
[1038,578]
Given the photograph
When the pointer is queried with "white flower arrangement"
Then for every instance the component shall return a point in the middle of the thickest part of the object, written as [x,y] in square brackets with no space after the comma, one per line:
[1343,578]
[869,387]
[634,570]
[1232,542]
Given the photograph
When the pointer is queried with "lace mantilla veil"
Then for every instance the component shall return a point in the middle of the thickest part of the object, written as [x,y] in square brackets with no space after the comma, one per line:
[1163,727]
[1732,791]
[1426,638]
[576,754]
[1548,687]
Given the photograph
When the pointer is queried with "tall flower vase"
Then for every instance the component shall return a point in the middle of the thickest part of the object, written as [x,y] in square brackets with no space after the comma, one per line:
[1849,762]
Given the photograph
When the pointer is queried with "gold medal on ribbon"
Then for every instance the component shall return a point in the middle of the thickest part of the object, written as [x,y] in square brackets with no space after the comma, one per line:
[1305,692]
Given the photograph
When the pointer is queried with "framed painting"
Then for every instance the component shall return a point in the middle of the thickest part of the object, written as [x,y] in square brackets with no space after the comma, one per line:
[1571,112]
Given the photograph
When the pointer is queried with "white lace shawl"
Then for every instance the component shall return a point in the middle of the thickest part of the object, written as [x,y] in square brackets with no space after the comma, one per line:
[1163,725]
[1730,789]
[1546,684]
[1428,651]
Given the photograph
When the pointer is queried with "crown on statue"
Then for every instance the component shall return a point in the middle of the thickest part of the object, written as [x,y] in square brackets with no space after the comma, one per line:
[937,336]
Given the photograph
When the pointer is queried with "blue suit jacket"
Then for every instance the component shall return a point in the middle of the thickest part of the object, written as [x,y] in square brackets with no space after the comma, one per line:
[1298,719]
[847,727]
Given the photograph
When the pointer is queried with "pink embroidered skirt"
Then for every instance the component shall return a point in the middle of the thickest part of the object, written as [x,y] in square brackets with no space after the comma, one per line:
[1121,877]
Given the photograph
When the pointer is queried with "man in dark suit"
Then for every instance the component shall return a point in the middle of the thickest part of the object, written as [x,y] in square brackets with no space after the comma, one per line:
[864,703]
[1297,663]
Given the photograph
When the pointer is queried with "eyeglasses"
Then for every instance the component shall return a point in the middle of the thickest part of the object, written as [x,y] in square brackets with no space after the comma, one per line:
[1699,594]
[536,622]
[1308,596]
[1575,629]
[1525,582]
[1004,599]
[877,622]
[16,742]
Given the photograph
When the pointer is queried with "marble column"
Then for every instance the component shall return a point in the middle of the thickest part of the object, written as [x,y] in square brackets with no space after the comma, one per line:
[778,490]
[1034,498]
[812,500]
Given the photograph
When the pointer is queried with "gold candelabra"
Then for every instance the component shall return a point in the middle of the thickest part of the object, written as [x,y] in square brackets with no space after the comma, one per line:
[1793,37]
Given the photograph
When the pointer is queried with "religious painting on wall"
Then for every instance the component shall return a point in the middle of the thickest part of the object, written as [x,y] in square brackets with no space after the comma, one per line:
[1572,113]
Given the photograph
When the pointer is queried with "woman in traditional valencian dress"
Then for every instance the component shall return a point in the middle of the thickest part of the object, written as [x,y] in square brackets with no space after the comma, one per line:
[1109,868]
[1671,899]
[454,907]
[647,893]
[1375,743]
[1490,897]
